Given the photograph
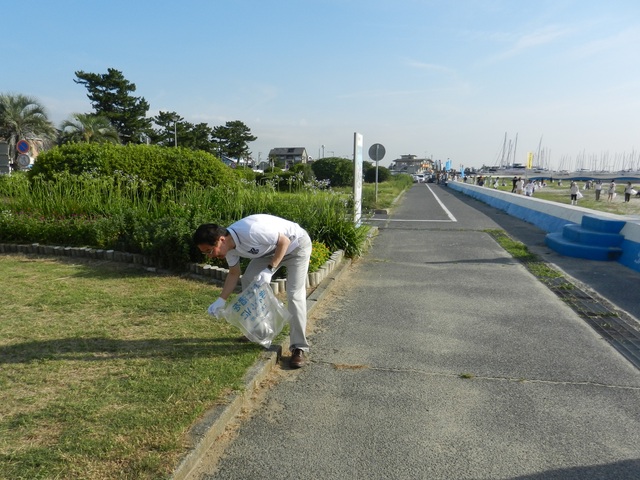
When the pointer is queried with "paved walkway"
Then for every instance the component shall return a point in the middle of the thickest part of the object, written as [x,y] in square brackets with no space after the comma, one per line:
[439,356]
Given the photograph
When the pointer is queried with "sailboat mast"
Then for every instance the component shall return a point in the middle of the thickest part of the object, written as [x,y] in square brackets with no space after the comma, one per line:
[504,147]
[539,146]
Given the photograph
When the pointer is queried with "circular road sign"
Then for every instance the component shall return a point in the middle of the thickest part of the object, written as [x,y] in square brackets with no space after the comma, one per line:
[23,146]
[24,160]
[376,152]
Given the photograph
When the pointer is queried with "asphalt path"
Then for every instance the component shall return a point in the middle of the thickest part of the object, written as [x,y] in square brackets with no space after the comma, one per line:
[439,356]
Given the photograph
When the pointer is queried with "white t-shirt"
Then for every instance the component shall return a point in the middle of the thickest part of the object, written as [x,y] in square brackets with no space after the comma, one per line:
[257,235]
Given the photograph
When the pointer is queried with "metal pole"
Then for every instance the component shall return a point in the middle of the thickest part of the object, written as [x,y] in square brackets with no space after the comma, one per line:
[377,160]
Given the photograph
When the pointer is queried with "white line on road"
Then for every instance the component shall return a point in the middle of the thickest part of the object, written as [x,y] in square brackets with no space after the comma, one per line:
[449,214]
[446,210]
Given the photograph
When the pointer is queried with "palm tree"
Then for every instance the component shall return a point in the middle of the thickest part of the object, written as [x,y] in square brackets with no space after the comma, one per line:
[88,128]
[23,118]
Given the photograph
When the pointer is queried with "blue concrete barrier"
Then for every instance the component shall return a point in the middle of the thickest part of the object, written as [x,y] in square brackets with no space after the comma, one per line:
[552,217]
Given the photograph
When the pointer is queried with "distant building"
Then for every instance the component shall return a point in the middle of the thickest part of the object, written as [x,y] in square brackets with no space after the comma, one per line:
[411,164]
[289,156]
[228,161]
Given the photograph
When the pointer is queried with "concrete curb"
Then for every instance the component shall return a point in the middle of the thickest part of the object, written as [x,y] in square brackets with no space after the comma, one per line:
[204,434]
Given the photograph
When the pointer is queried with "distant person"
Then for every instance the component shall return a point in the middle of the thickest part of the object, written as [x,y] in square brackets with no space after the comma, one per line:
[598,188]
[529,189]
[514,181]
[628,191]
[611,192]
[520,186]
[574,189]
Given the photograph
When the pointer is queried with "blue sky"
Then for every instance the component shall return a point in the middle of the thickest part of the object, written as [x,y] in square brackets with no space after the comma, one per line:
[443,79]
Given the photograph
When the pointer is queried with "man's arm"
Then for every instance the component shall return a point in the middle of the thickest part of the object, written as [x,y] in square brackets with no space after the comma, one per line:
[231,281]
[280,251]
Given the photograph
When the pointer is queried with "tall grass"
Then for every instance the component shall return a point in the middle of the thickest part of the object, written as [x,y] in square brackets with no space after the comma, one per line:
[125,213]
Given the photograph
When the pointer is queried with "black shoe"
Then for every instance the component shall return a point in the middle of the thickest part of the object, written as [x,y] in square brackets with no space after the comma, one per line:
[297,358]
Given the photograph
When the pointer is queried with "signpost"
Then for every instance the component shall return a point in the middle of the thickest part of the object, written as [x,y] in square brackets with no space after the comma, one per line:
[376,153]
[23,147]
[24,161]
[357,177]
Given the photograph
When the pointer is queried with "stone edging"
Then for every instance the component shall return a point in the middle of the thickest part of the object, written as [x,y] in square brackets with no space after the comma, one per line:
[314,279]
[211,272]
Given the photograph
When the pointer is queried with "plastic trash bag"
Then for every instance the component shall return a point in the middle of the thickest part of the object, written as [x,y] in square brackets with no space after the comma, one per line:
[257,313]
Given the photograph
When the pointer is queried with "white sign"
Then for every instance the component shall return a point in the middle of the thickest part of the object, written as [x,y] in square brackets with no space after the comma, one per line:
[357,177]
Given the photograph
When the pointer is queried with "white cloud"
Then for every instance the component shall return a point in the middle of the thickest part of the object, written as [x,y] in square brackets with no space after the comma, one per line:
[543,36]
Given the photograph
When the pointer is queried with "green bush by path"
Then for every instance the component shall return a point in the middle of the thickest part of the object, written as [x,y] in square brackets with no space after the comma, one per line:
[338,171]
[122,212]
[383,173]
[152,164]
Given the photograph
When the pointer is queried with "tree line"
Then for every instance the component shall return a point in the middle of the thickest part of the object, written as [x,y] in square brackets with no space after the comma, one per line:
[119,117]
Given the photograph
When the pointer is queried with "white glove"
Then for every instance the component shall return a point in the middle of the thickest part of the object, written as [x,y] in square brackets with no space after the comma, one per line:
[264,276]
[215,307]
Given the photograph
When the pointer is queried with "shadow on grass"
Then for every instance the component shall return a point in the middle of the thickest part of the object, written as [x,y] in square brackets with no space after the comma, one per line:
[101,349]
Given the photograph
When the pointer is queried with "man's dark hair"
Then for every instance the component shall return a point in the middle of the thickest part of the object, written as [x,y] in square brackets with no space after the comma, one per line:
[209,233]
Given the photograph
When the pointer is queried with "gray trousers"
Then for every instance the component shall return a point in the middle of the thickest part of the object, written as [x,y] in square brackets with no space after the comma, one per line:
[297,263]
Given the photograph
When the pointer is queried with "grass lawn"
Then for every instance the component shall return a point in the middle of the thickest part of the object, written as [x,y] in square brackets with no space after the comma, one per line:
[103,368]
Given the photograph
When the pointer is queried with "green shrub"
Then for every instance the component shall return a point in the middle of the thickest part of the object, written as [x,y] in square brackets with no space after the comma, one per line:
[247,174]
[383,174]
[339,171]
[149,163]
[305,170]
[319,255]
[283,181]
[121,212]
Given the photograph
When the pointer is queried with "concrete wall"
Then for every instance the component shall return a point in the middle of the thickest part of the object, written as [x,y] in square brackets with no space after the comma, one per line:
[552,216]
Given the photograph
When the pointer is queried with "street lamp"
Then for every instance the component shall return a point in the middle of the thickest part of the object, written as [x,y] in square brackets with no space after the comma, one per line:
[175,130]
